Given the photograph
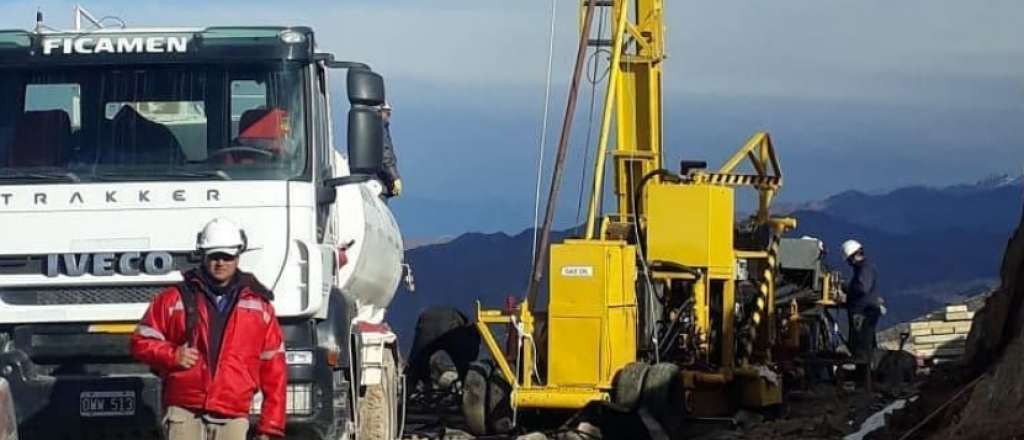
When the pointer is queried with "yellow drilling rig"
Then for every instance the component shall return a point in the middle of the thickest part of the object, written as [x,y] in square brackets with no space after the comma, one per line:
[666,302]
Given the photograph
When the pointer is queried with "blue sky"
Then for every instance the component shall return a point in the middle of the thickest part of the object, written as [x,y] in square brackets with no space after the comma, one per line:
[865,94]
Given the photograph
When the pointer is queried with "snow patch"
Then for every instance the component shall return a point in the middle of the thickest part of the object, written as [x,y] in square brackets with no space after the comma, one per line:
[877,420]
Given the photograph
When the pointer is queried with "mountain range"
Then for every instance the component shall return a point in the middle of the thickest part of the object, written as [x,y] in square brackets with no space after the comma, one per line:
[932,245]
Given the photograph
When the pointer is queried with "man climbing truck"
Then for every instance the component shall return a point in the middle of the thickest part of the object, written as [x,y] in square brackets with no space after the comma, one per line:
[116,146]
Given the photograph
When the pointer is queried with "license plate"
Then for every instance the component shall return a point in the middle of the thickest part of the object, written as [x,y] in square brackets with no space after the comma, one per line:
[107,403]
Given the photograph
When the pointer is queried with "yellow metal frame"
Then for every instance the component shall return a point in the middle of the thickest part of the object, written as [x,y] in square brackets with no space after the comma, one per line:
[486,318]
[634,96]
[767,180]
[526,393]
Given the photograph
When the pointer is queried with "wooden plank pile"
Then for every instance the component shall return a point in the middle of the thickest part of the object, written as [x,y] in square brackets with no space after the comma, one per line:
[942,335]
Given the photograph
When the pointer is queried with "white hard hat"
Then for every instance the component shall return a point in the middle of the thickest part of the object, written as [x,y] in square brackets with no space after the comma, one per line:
[386,106]
[221,235]
[851,247]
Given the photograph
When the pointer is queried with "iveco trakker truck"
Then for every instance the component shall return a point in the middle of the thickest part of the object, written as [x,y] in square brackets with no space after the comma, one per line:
[117,146]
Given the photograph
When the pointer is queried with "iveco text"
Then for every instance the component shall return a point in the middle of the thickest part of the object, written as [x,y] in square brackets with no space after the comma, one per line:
[109,263]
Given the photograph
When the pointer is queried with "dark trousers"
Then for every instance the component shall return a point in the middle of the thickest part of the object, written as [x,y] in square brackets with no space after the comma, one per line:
[863,326]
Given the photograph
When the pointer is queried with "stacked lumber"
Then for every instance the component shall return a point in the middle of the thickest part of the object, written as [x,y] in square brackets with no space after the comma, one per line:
[942,334]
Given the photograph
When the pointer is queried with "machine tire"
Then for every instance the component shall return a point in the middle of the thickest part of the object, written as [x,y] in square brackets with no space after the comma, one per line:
[474,398]
[661,395]
[487,400]
[628,385]
[499,403]
[377,408]
[657,386]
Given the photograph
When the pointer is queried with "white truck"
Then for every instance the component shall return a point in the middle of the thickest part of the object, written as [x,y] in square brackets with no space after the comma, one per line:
[117,146]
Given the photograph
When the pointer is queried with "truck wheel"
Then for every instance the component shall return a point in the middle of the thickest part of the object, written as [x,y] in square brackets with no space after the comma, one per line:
[377,418]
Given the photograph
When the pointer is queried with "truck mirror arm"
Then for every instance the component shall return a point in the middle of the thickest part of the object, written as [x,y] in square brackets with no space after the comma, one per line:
[331,63]
[328,193]
[346,65]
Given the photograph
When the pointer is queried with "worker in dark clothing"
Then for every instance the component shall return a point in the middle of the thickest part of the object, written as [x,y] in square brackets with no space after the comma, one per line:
[215,340]
[862,302]
[441,329]
[389,172]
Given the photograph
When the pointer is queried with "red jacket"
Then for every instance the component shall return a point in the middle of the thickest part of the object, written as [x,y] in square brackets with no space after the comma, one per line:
[251,356]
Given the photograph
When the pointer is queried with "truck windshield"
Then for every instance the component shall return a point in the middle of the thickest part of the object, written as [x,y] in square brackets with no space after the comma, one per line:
[152,122]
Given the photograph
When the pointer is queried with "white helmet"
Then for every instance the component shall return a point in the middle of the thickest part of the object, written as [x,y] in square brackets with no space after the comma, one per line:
[221,235]
[386,106]
[851,247]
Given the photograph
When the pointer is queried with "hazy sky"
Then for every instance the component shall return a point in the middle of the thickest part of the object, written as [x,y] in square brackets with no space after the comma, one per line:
[865,94]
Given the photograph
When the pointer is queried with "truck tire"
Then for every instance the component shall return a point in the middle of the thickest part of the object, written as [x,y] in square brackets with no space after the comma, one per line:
[377,408]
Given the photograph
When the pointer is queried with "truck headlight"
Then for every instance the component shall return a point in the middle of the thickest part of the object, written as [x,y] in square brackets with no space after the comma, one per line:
[299,400]
[299,357]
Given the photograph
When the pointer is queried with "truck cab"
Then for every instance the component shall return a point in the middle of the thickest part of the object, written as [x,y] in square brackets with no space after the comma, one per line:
[118,145]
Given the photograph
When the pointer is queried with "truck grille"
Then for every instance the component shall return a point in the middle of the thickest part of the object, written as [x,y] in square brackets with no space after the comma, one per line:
[68,295]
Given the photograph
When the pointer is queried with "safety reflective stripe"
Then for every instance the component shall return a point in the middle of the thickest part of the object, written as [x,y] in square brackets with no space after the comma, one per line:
[268,355]
[252,304]
[177,306]
[256,305]
[150,332]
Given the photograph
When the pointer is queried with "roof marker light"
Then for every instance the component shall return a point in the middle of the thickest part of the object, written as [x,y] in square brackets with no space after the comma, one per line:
[292,37]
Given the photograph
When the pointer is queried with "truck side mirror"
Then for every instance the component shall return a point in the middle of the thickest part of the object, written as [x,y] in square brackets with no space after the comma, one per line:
[365,126]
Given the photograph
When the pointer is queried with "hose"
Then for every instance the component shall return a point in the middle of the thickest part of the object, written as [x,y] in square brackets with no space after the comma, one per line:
[641,245]
[638,193]
[401,425]
[673,331]
[676,267]
[544,130]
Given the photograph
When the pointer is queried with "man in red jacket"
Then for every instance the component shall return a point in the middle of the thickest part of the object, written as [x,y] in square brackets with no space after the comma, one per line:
[214,339]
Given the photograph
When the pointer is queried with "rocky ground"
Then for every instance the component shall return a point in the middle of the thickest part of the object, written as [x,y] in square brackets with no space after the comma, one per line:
[824,412]
[979,397]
